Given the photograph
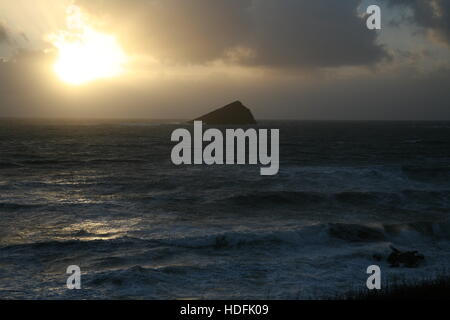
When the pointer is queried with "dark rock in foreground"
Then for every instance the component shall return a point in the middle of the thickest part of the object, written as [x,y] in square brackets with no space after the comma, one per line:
[234,114]
[397,258]
[409,259]
[435,288]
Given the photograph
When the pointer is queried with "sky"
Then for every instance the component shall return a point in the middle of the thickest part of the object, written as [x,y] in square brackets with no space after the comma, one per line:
[178,59]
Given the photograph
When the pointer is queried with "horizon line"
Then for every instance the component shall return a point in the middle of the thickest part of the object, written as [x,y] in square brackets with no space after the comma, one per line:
[188,120]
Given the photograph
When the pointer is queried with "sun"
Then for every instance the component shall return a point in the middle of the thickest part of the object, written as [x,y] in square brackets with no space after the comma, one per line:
[93,56]
[85,54]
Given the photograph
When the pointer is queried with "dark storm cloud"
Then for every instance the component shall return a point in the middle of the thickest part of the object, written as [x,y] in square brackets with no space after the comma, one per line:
[304,33]
[180,31]
[430,14]
[312,33]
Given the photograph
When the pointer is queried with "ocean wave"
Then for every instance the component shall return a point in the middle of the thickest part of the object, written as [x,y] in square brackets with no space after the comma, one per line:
[13,206]
[74,245]
[9,165]
[349,176]
[138,275]
[317,234]
[366,198]
[314,235]
[277,198]
[320,234]
[407,198]
[46,162]
[356,232]
[393,174]
[77,162]
[433,173]
[406,233]
[167,282]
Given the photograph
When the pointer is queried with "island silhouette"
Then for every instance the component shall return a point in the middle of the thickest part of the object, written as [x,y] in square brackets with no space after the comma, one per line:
[234,113]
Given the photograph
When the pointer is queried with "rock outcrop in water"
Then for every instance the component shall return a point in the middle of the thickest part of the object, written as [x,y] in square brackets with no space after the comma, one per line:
[397,258]
[409,259]
[234,114]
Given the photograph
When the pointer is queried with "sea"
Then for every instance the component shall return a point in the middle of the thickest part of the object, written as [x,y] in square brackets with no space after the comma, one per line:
[104,195]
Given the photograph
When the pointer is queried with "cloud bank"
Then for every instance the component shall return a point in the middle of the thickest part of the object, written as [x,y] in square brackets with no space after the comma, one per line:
[289,59]
[433,15]
[289,33]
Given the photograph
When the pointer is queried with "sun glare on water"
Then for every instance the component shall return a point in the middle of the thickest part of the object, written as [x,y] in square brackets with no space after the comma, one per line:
[84,54]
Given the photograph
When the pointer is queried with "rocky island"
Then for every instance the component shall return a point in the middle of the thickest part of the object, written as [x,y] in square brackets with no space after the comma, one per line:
[232,114]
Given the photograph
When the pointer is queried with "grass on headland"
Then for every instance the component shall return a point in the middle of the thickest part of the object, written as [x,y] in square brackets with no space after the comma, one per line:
[431,289]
